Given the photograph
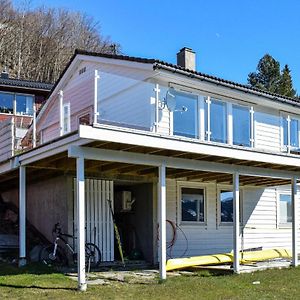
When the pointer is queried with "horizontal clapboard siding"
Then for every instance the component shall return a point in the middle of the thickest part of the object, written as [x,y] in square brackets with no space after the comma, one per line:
[6,140]
[267,131]
[259,228]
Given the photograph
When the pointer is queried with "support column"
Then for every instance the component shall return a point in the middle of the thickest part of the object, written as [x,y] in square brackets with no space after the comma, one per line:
[162,221]
[294,222]
[81,224]
[22,216]
[236,223]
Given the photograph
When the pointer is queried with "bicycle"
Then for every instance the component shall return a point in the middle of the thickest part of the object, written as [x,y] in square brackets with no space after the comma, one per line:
[55,254]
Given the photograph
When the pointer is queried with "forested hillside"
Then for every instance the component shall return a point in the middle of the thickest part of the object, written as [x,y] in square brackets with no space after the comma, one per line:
[37,43]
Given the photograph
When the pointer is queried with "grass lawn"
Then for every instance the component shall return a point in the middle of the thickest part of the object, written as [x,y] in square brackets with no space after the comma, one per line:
[36,282]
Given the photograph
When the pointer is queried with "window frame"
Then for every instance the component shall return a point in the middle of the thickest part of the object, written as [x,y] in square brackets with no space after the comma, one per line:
[279,223]
[197,114]
[203,125]
[68,118]
[251,125]
[289,118]
[207,120]
[229,188]
[14,94]
[191,185]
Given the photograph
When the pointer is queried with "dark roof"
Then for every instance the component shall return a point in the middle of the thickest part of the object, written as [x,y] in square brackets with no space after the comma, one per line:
[159,64]
[20,83]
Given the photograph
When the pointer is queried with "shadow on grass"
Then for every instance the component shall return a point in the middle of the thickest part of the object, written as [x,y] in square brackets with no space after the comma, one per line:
[32,268]
[16,286]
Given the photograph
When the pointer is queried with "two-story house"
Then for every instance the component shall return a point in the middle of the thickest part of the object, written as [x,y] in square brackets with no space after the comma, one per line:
[214,163]
[19,102]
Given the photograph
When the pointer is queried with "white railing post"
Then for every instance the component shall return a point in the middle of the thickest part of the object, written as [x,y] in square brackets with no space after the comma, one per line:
[22,216]
[81,223]
[34,127]
[162,221]
[236,223]
[294,223]
[96,112]
[157,91]
[61,112]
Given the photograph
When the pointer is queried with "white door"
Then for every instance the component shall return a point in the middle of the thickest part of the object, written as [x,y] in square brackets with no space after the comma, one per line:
[99,224]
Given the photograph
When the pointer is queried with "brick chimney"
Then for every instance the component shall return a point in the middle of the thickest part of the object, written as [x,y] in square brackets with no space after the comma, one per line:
[186,58]
[4,74]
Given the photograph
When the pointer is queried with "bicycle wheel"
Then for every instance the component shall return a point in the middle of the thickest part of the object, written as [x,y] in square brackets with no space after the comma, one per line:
[92,255]
[46,256]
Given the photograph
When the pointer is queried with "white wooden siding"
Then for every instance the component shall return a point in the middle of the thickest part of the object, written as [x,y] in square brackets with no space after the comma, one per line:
[6,140]
[259,227]
[99,223]
[267,131]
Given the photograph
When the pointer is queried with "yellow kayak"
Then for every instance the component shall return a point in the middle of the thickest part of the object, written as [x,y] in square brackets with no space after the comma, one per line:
[215,259]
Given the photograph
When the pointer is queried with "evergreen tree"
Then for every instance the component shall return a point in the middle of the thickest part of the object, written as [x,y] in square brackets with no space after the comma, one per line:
[286,83]
[267,76]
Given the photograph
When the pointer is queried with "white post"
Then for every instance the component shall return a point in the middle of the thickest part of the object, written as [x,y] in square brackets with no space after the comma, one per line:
[236,223]
[162,221]
[229,124]
[61,112]
[294,222]
[96,113]
[252,121]
[34,127]
[22,216]
[81,224]
[157,91]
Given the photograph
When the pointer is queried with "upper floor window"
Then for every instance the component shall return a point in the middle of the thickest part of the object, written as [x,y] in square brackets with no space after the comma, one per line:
[216,121]
[290,128]
[16,104]
[192,205]
[185,115]
[6,103]
[241,125]
[24,105]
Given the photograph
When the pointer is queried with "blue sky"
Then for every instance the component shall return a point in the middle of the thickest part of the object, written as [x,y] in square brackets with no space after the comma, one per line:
[229,37]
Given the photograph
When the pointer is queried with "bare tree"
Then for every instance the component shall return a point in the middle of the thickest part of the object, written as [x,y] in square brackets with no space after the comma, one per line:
[37,43]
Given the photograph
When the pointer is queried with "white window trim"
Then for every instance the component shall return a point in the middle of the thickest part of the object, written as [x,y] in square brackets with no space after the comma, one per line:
[15,103]
[195,185]
[68,118]
[197,112]
[251,133]
[278,223]
[203,117]
[287,148]
[222,187]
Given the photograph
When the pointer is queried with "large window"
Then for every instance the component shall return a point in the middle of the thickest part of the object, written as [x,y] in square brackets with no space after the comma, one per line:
[185,116]
[290,128]
[241,125]
[285,208]
[216,125]
[192,205]
[22,104]
[6,103]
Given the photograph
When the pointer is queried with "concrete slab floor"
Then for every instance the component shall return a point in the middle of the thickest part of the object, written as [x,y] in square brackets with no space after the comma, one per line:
[151,276]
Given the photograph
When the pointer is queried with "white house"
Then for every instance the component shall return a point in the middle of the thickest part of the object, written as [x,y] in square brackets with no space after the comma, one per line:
[211,161]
